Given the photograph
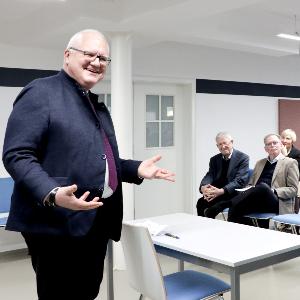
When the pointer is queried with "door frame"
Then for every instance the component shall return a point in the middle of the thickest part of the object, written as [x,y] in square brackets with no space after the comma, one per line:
[190,184]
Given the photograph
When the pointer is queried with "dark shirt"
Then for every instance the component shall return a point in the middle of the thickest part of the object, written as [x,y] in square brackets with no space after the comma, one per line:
[222,180]
[267,173]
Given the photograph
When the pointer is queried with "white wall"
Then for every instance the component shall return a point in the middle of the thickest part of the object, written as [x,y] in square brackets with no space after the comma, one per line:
[187,61]
[176,61]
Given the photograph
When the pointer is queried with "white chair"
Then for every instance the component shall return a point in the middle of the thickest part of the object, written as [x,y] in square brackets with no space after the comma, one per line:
[146,277]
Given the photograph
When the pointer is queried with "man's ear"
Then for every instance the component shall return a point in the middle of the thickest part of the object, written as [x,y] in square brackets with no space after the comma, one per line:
[66,56]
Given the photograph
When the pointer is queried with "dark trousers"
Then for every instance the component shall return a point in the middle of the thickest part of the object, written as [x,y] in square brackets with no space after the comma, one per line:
[258,199]
[203,204]
[67,267]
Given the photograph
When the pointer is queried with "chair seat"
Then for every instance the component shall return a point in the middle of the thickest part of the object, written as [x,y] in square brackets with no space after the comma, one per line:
[291,219]
[192,285]
[264,216]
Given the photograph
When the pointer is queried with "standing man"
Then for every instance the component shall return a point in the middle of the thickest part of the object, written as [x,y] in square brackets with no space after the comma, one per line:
[61,150]
[228,171]
[274,184]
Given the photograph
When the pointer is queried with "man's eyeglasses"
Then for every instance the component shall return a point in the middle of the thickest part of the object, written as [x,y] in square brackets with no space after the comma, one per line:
[274,143]
[227,143]
[91,56]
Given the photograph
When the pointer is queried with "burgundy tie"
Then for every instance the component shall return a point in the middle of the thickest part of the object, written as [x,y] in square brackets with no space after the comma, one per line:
[113,180]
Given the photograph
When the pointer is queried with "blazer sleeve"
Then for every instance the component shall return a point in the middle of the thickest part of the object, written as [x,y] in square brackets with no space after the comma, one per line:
[240,177]
[289,184]
[26,133]
[129,171]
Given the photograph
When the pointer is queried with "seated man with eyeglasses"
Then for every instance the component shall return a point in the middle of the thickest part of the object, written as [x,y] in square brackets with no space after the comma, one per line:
[274,185]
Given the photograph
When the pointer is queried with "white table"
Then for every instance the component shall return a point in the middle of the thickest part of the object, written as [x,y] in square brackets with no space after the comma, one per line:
[223,246]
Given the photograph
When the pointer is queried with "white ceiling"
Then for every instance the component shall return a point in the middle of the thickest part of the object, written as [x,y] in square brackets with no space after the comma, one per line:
[245,25]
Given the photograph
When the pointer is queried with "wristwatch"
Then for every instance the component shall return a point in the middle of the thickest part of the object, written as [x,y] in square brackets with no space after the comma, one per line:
[50,200]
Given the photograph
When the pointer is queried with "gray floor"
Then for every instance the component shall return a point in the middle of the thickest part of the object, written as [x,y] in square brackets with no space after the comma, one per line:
[279,282]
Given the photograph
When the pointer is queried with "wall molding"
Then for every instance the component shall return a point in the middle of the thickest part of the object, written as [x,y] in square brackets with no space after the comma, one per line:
[15,77]
[207,86]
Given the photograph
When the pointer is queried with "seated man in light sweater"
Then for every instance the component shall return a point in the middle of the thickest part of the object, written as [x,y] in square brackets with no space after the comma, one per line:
[274,185]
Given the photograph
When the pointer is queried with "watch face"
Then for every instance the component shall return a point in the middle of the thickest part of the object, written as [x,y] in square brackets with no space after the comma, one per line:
[52,197]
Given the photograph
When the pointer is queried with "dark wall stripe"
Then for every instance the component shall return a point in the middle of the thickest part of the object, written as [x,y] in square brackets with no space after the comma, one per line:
[246,88]
[14,77]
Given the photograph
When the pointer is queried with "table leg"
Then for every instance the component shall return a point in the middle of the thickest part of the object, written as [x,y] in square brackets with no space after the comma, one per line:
[109,271]
[235,285]
[180,265]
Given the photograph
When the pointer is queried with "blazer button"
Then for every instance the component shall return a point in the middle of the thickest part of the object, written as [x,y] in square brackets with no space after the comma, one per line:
[97,125]
[103,156]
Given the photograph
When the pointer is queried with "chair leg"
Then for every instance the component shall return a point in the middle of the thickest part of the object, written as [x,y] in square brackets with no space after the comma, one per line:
[255,222]
[224,217]
[294,229]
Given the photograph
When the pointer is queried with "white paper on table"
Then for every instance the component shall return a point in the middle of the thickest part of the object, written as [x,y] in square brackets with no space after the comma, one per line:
[154,228]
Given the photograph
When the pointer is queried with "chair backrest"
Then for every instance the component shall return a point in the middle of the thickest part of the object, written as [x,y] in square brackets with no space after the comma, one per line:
[6,189]
[142,263]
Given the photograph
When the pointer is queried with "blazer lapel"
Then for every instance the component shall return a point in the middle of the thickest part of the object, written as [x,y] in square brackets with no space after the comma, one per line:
[231,163]
[258,170]
[277,168]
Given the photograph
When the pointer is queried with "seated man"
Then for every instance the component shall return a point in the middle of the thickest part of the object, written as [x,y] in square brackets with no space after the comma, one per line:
[228,171]
[274,185]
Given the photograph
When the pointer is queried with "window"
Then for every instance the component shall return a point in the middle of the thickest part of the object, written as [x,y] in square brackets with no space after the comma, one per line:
[106,99]
[159,121]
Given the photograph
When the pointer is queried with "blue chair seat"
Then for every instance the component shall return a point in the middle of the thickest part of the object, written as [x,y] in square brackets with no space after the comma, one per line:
[198,285]
[259,216]
[289,219]
[263,216]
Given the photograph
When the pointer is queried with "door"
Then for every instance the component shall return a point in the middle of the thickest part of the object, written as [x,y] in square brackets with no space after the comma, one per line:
[160,120]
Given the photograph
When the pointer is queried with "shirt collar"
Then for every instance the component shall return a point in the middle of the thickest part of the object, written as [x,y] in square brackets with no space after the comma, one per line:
[276,159]
[81,90]
[228,156]
[84,92]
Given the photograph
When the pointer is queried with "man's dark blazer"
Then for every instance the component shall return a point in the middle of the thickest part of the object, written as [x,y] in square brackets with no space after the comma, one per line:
[237,174]
[53,138]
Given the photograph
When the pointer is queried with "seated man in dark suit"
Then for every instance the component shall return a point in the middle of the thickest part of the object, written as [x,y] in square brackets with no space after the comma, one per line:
[228,171]
[274,185]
